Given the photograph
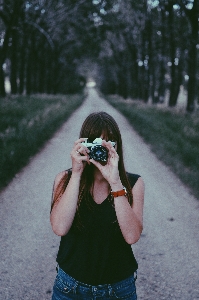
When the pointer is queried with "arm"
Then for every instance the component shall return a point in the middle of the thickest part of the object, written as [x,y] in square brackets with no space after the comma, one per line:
[130,219]
[63,211]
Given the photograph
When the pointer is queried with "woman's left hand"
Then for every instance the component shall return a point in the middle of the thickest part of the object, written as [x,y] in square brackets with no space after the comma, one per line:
[109,170]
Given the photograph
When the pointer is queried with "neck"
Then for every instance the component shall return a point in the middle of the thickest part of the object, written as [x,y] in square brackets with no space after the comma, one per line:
[100,188]
[98,177]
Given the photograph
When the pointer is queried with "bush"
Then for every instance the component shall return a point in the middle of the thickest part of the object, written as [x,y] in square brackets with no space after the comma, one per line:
[173,136]
[26,122]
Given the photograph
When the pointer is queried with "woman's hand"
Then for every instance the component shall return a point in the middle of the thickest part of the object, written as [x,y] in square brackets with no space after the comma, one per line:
[79,156]
[109,170]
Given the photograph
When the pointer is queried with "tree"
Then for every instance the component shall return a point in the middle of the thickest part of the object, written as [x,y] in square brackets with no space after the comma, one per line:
[9,13]
[142,47]
[192,15]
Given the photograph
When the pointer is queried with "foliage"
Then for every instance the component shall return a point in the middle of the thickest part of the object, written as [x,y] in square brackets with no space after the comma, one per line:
[153,45]
[148,43]
[173,136]
[26,122]
[42,42]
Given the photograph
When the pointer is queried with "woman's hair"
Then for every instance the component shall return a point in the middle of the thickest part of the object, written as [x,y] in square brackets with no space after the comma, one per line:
[97,125]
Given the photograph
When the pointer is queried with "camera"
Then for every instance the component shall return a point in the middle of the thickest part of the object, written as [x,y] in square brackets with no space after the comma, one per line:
[97,151]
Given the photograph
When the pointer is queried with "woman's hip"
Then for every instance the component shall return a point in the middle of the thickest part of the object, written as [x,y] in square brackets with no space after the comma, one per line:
[66,287]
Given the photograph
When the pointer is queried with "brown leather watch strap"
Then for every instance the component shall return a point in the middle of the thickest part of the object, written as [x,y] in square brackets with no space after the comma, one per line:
[122,192]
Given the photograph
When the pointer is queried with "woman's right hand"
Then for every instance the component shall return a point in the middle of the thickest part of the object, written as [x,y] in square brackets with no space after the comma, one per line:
[79,156]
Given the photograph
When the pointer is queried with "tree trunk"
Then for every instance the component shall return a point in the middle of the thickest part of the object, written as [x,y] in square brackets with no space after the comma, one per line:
[151,61]
[29,69]
[50,73]
[55,71]
[122,88]
[34,67]
[11,22]
[3,55]
[192,61]
[2,83]
[162,83]
[41,77]
[134,73]
[22,65]
[172,97]
[13,75]
[178,78]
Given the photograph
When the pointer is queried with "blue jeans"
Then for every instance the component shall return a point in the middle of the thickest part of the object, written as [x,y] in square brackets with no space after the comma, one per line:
[66,287]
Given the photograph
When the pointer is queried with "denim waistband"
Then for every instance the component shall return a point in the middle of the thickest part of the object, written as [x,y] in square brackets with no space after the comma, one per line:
[117,285]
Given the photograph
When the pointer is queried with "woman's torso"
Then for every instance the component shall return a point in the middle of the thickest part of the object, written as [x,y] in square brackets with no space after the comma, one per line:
[95,252]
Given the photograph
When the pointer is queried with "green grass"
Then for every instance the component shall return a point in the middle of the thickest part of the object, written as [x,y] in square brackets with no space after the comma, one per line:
[173,136]
[26,123]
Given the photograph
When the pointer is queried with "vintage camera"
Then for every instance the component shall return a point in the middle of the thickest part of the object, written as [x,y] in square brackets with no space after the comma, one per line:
[97,151]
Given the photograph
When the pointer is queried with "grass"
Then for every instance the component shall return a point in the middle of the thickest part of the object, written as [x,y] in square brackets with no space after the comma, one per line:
[172,135]
[26,123]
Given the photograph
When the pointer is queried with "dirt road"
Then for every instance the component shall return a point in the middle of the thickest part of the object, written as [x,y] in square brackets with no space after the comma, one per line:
[167,253]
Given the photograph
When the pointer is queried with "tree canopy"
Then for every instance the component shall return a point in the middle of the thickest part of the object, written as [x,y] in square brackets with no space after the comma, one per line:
[141,49]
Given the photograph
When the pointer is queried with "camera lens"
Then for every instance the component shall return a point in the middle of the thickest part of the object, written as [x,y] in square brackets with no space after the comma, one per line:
[99,153]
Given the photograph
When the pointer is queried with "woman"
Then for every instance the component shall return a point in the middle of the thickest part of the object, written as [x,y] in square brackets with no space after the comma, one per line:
[97,209]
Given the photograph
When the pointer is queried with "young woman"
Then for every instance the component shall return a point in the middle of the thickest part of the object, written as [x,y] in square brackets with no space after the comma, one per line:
[97,209]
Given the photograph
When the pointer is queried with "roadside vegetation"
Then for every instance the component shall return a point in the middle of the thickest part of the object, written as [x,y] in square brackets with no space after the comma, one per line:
[26,122]
[172,135]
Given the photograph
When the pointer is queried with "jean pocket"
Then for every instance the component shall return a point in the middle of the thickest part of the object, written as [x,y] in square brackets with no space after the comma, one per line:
[125,292]
[64,287]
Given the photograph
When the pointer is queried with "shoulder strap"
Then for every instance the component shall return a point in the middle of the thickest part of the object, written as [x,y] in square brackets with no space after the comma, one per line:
[132,178]
[69,172]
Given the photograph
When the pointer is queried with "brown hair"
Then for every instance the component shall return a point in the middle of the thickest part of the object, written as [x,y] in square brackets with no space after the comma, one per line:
[95,125]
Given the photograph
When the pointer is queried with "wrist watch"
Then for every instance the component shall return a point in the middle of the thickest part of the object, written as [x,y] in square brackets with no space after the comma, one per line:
[122,192]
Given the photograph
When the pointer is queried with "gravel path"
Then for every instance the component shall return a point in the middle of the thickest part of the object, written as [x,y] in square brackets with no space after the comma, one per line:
[167,253]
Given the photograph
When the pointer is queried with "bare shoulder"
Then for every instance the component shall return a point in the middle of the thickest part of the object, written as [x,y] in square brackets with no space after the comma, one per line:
[139,185]
[138,191]
[59,176]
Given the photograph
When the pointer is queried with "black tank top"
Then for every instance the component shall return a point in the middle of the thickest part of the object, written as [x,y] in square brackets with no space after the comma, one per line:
[97,252]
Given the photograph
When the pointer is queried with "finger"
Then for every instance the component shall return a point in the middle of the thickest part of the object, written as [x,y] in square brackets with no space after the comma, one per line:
[81,159]
[81,140]
[95,163]
[108,145]
[113,158]
[78,152]
[111,152]
[79,148]
[84,149]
